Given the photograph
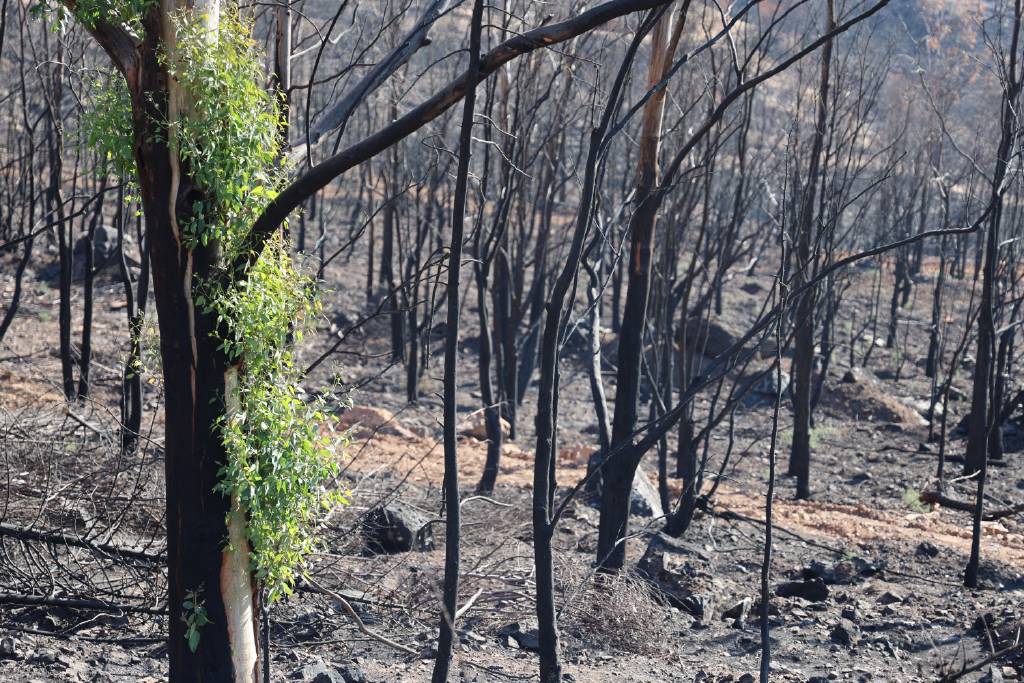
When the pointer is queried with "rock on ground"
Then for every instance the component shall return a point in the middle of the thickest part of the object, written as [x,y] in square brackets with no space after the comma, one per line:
[396,528]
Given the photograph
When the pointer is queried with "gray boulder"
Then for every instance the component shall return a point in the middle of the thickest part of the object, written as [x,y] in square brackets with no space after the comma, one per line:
[644,500]
[104,249]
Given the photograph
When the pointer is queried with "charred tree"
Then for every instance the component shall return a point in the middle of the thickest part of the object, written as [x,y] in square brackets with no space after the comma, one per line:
[803,350]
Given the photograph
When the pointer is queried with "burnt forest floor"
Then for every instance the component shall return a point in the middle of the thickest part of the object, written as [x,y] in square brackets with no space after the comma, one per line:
[894,606]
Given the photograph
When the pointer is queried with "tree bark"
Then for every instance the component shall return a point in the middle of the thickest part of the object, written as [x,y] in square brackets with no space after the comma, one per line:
[618,473]
[85,353]
[451,463]
[803,351]
[983,410]
[196,376]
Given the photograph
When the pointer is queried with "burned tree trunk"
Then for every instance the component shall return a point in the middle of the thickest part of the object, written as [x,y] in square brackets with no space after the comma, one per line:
[618,473]
[85,353]
[803,350]
[983,410]
[450,591]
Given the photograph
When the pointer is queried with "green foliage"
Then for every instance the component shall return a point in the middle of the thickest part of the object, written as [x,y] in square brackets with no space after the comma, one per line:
[912,499]
[107,126]
[125,13]
[229,142]
[278,461]
[195,617]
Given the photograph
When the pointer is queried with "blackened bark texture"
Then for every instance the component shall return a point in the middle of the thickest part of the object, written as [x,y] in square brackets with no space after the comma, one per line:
[199,563]
[65,238]
[531,342]
[617,473]
[492,414]
[604,430]
[450,591]
[387,256]
[85,353]
[135,295]
[931,367]
[901,289]
[983,409]
[505,332]
[766,559]
[413,367]
[803,348]
[546,421]
[995,437]
[497,333]
[19,276]
[282,73]
[981,399]
[618,275]
[193,393]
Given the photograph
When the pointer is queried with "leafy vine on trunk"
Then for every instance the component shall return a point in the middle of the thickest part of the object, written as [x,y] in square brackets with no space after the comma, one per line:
[278,460]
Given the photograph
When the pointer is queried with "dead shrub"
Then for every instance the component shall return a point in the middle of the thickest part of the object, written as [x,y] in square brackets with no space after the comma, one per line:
[619,612]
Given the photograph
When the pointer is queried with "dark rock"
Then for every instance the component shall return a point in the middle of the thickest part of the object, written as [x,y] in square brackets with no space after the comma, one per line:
[9,648]
[889,598]
[844,634]
[44,657]
[860,477]
[746,678]
[528,640]
[751,288]
[842,572]
[352,673]
[812,590]
[396,528]
[984,622]
[710,338]
[320,673]
[868,568]
[858,375]
[324,673]
[737,610]
[669,565]
[697,606]
[926,549]
[738,613]
[850,614]
[104,249]
[513,636]
[764,385]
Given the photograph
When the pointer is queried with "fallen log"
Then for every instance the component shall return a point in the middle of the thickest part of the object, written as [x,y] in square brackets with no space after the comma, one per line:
[59,538]
[75,603]
[936,498]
